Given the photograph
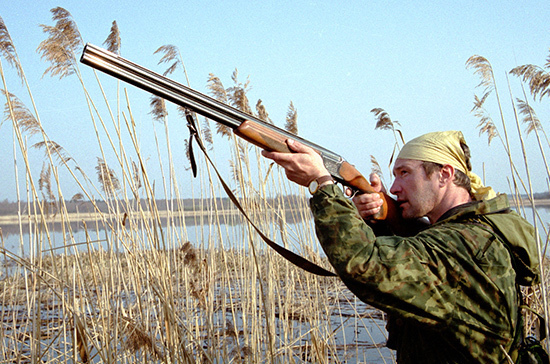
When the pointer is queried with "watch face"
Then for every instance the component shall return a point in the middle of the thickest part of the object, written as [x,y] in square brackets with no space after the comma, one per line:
[313,185]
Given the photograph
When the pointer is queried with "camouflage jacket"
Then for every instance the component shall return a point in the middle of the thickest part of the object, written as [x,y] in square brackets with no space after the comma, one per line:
[450,291]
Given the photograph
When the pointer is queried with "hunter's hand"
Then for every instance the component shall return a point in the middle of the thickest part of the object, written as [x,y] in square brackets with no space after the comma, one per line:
[368,204]
[302,166]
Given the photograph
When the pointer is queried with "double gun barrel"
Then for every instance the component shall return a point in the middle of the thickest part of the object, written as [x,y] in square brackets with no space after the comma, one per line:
[248,127]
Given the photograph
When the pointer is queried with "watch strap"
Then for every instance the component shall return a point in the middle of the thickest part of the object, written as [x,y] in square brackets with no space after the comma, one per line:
[318,182]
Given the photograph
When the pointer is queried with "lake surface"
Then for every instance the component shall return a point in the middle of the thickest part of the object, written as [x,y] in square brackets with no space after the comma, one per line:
[75,236]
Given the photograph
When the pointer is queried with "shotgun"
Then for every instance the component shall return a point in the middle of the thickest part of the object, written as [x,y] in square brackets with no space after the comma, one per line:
[248,127]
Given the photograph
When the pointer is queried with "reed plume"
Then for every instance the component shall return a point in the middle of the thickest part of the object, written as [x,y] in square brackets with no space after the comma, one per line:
[234,171]
[171,54]
[384,122]
[237,94]
[262,112]
[191,259]
[24,119]
[207,133]
[77,197]
[136,176]
[137,339]
[383,119]
[375,166]
[530,118]
[242,148]
[7,49]
[217,91]
[158,109]
[189,255]
[52,147]
[483,68]
[537,77]
[485,124]
[291,124]
[113,41]
[106,177]
[61,45]
[49,204]
[45,182]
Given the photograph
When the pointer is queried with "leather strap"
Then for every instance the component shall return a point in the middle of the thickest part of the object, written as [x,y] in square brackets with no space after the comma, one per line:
[292,257]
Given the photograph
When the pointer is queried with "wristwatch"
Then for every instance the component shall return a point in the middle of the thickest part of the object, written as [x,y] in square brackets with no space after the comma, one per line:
[318,182]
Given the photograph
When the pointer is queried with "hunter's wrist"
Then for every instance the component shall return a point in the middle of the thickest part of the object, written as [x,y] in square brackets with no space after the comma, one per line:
[319,182]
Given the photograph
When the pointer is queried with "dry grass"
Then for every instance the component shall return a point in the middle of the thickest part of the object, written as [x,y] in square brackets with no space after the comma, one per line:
[178,305]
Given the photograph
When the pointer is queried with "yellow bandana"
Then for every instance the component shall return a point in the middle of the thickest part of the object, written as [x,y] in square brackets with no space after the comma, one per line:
[444,148]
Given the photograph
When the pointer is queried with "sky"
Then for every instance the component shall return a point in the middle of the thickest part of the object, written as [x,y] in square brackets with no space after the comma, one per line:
[336,61]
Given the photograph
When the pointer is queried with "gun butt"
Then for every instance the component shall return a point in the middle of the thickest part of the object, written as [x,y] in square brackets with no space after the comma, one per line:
[354,179]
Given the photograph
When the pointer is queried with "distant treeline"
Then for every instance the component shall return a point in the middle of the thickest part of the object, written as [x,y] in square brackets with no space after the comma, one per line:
[188,204]
[175,205]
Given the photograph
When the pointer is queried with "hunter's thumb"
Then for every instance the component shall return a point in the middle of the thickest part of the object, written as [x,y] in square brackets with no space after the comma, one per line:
[374,180]
[295,146]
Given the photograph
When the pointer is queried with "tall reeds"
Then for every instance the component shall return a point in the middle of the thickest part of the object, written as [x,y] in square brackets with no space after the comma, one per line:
[537,79]
[125,271]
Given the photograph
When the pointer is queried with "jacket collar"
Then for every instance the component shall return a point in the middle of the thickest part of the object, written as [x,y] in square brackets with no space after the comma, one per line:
[494,205]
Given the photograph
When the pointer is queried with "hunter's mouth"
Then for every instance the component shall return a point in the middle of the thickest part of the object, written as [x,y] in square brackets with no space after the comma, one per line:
[401,203]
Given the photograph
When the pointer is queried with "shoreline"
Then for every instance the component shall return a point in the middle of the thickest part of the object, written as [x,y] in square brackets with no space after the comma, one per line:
[189,216]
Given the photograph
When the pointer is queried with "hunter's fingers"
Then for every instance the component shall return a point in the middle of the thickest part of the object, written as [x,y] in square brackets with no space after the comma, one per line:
[368,204]
[302,166]
[281,157]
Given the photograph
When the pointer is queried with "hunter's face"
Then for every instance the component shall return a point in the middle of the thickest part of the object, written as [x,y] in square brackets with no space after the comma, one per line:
[416,193]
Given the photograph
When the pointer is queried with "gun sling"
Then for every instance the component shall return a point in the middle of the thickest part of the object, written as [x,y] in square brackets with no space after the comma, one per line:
[116,66]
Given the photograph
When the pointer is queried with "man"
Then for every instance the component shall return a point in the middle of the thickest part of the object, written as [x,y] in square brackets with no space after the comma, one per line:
[451,289]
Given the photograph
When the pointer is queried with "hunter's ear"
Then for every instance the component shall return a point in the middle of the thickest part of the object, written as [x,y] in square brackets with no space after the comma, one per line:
[446,174]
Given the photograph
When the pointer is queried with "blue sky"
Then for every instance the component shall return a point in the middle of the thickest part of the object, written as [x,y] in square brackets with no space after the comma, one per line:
[335,61]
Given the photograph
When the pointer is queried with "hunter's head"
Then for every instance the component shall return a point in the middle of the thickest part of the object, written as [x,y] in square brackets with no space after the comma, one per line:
[433,173]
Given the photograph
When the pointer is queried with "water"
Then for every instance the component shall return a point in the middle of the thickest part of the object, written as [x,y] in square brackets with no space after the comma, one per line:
[65,238]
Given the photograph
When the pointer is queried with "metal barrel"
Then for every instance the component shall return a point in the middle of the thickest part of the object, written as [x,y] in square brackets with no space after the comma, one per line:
[141,77]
